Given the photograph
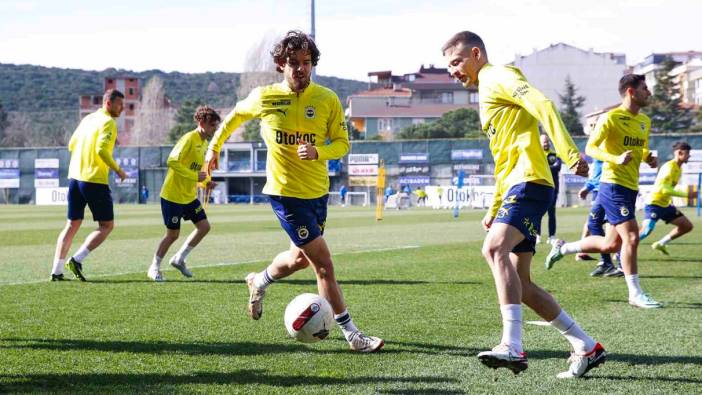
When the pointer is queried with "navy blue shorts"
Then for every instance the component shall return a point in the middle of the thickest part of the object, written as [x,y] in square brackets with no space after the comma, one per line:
[597,218]
[302,219]
[523,206]
[667,214]
[619,202]
[97,196]
[173,212]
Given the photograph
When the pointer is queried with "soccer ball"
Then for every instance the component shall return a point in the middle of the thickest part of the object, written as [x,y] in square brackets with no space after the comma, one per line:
[309,318]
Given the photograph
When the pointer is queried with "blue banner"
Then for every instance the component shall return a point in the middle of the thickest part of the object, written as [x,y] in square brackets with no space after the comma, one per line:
[414,180]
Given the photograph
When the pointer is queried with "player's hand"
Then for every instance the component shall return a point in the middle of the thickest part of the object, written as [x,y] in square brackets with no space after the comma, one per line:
[487,221]
[212,160]
[210,185]
[652,161]
[122,175]
[624,158]
[201,176]
[582,193]
[306,151]
[581,168]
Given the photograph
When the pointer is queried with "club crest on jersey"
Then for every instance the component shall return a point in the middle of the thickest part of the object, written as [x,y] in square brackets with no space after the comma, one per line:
[623,211]
[643,126]
[174,220]
[303,233]
[309,112]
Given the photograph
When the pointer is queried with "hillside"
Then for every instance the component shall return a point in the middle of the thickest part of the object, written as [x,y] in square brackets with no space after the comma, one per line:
[27,88]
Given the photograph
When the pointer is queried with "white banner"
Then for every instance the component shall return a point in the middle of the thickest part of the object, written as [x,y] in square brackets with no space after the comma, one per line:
[47,163]
[363,170]
[52,196]
[363,159]
[468,197]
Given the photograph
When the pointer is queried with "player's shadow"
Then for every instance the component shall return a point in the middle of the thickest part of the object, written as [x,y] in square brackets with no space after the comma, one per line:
[667,305]
[678,260]
[310,282]
[668,276]
[166,383]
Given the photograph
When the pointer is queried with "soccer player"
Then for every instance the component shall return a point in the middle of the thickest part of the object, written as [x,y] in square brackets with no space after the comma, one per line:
[298,118]
[91,148]
[595,224]
[510,110]
[554,163]
[179,192]
[659,203]
[620,140]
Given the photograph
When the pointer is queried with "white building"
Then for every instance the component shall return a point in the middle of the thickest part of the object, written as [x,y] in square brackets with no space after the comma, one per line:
[595,74]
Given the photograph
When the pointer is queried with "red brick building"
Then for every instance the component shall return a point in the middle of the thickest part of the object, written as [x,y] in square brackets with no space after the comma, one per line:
[129,85]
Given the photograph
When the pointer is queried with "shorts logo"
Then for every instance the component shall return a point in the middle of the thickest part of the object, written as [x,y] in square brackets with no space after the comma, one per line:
[623,211]
[511,199]
[174,220]
[303,233]
[654,215]
[309,112]
[502,212]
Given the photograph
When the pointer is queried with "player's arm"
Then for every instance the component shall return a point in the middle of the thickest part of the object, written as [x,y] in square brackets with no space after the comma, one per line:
[180,150]
[338,135]
[596,138]
[647,155]
[244,110]
[665,185]
[519,91]
[107,135]
[72,141]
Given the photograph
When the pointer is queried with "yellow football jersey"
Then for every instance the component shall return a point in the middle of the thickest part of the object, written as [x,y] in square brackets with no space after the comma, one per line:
[91,148]
[184,163]
[664,187]
[315,116]
[616,132]
[510,112]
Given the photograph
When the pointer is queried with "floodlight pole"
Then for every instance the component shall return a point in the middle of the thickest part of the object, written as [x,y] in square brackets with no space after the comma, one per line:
[312,32]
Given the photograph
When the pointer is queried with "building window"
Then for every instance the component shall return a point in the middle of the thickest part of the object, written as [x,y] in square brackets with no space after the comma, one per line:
[239,161]
[131,107]
[131,91]
[109,81]
[473,97]
[384,124]
[447,97]
[261,159]
[96,100]
[417,121]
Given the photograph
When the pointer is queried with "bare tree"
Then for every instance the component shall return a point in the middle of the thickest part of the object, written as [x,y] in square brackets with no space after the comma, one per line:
[154,117]
[19,130]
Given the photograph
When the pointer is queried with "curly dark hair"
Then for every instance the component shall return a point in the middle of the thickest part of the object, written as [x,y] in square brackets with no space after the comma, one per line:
[630,81]
[294,40]
[681,145]
[206,114]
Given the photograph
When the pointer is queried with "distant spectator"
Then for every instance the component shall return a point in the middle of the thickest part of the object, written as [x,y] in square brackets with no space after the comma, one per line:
[144,194]
[342,194]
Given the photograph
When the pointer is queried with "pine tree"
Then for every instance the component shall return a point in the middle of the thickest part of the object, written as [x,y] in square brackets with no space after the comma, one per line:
[184,120]
[666,110]
[570,106]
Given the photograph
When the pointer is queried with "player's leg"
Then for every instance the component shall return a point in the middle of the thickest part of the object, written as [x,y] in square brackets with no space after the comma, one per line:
[99,200]
[596,226]
[587,353]
[166,242]
[75,214]
[581,256]
[194,212]
[651,216]
[629,233]
[681,223]
[552,219]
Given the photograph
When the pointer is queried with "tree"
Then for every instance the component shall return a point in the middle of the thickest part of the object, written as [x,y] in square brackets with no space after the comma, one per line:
[666,110]
[464,122]
[154,119]
[252,130]
[4,123]
[184,121]
[570,108]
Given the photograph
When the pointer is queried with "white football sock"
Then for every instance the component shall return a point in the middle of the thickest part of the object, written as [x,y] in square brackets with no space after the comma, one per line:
[156,262]
[183,252]
[571,248]
[81,254]
[58,266]
[665,240]
[632,282]
[346,324]
[512,326]
[581,342]
[263,279]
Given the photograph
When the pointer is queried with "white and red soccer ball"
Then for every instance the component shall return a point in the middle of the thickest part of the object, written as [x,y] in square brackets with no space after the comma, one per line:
[309,318]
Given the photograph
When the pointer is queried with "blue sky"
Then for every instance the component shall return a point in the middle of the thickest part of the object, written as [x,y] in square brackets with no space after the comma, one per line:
[355,37]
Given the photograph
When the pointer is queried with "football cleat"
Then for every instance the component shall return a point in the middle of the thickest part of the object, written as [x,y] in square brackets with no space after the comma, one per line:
[614,272]
[581,364]
[555,255]
[180,265]
[58,277]
[256,295]
[644,301]
[155,274]
[362,343]
[503,356]
[581,256]
[660,247]
[76,268]
[601,269]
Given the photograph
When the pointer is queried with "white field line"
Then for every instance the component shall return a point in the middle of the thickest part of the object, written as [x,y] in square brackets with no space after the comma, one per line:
[221,264]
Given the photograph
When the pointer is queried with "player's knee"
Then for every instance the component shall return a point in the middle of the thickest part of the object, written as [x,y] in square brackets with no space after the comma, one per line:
[686,227]
[204,226]
[300,262]
[631,239]
[106,226]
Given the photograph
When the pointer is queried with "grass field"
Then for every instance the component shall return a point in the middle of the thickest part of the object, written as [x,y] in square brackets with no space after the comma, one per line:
[417,279]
